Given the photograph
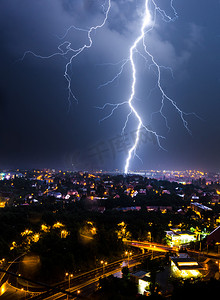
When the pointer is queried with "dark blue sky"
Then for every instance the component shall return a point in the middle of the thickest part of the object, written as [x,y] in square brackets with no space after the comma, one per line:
[39,130]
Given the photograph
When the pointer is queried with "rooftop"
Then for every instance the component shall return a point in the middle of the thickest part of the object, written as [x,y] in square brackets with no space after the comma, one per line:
[186,263]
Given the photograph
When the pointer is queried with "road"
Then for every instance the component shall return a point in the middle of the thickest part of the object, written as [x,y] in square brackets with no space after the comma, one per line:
[89,278]
[151,246]
[80,282]
[86,285]
[8,266]
[11,293]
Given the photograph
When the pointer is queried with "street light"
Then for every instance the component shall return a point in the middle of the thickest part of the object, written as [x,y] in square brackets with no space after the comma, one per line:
[128,254]
[217,262]
[103,263]
[69,277]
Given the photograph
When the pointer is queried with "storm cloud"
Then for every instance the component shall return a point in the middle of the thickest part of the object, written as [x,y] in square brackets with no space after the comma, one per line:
[37,127]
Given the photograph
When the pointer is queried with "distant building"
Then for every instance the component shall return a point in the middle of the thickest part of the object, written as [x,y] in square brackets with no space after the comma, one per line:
[185,267]
[3,203]
[10,175]
[181,195]
[163,209]
[57,195]
[4,199]
[142,191]
[177,238]
[199,208]
[166,192]
[129,208]
[214,236]
[142,279]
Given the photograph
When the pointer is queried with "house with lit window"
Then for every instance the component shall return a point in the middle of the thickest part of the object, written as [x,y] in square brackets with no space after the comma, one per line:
[176,237]
[198,208]
[142,279]
[185,267]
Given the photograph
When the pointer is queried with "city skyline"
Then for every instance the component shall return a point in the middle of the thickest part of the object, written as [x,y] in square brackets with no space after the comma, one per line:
[65,232]
[39,129]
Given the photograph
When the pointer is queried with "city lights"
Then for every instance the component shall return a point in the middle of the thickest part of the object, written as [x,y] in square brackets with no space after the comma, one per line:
[109,182]
[169,225]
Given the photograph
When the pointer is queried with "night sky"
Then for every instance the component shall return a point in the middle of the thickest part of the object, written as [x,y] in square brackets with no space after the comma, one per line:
[39,129]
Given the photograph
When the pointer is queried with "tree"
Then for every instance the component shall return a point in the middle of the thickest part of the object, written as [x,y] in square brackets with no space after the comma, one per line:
[153,265]
[125,272]
[115,288]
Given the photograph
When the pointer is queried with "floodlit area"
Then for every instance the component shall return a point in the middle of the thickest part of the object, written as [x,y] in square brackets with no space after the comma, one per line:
[185,268]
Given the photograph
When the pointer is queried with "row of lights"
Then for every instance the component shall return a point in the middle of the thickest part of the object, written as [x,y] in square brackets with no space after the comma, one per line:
[70,276]
[102,262]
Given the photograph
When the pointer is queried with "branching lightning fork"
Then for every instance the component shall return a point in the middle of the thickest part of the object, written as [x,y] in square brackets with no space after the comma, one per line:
[73,52]
[148,24]
[149,18]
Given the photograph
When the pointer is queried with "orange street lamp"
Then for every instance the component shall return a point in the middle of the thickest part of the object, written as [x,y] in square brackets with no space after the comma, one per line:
[103,263]
[128,254]
[69,278]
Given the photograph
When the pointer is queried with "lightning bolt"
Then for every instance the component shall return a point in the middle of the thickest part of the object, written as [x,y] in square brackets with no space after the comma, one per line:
[65,48]
[148,24]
